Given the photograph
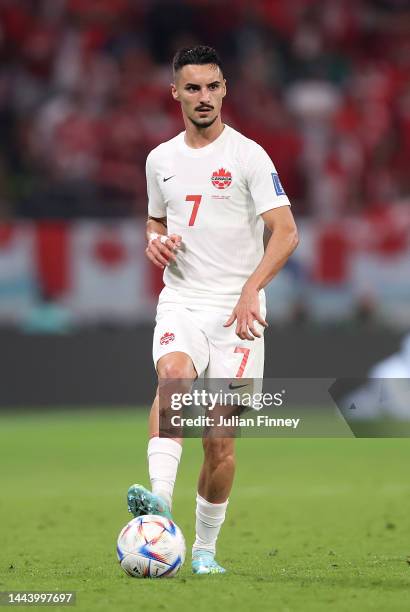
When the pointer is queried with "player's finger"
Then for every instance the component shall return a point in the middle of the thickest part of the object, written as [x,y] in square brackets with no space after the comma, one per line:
[248,336]
[252,328]
[239,331]
[245,335]
[153,259]
[243,332]
[167,250]
[159,250]
[157,255]
[176,240]
[260,319]
[170,245]
[159,244]
[231,319]
[164,246]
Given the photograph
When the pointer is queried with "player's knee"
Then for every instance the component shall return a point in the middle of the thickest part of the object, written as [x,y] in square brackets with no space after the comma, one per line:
[177,367]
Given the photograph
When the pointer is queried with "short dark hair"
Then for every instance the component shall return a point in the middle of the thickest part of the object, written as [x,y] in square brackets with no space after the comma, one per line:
[195,55]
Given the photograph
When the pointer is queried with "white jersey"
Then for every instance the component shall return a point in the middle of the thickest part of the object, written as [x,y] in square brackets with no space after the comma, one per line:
[213,197]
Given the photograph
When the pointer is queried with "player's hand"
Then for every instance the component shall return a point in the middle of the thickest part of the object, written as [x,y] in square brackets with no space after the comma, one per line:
[161,250]
[245,313]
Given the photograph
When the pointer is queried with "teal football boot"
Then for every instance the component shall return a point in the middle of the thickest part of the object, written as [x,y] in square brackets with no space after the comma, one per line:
[203,562]
[141,501]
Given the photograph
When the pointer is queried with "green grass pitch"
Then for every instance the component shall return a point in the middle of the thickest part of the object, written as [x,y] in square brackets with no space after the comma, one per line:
[312,524]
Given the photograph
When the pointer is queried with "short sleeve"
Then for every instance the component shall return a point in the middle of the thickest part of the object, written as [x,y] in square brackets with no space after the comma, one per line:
[156,204]
[263,181]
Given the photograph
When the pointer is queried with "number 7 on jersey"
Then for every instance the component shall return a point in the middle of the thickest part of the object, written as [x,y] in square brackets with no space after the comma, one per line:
[196,199]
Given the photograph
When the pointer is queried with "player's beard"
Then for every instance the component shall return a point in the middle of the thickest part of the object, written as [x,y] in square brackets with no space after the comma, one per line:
[200,124]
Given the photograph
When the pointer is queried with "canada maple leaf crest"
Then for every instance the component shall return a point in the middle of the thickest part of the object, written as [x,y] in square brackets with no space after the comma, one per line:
[167,338]
[221,179]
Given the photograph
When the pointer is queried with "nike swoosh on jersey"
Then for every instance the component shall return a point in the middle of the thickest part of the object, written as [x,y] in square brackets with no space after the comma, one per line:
[232,387]
[167,179]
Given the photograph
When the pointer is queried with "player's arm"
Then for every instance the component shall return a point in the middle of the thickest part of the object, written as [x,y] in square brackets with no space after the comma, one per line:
[282,243]
[160,247]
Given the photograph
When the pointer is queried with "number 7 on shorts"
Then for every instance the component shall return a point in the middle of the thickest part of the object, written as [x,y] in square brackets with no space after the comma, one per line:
[245,351]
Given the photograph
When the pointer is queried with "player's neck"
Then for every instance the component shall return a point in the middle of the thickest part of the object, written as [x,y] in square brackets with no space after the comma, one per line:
[196,138]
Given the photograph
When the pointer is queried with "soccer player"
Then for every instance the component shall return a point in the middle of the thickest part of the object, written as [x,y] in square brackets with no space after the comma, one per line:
[211,191]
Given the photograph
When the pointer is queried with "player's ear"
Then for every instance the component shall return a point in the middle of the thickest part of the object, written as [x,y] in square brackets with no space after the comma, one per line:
[224,88]
[174,92]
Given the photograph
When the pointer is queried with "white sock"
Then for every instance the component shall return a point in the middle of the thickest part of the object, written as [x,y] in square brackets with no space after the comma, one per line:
[209,519]
[163,460]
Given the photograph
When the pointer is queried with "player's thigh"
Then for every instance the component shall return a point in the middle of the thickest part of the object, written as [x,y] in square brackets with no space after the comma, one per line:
[236,371]
[179,338]
[231,357]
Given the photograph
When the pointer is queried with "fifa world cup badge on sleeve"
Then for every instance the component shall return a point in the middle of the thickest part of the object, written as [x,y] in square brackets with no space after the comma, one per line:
[277,184]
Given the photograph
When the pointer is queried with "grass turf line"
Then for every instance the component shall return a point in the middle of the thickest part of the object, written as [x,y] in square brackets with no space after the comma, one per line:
[312,524]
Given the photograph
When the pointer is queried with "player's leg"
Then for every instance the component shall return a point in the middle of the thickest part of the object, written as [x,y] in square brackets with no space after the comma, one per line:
[214,486]
[164,453]
[178,356]
[230,359]
[218,469]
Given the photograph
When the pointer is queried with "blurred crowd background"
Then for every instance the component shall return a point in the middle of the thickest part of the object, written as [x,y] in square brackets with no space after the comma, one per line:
[322,85]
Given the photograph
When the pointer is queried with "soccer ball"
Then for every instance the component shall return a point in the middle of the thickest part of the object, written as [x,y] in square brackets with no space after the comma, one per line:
[151,546]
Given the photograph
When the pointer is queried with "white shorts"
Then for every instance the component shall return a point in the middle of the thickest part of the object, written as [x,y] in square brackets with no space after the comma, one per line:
[216,351]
